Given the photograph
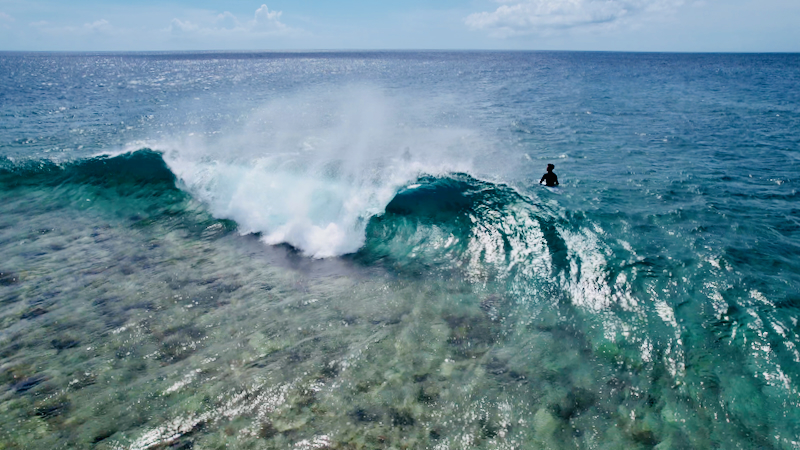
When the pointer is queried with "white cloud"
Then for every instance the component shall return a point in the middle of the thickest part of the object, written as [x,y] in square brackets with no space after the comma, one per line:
[101,26]
[98,26]
[178,26]
[264,22]
[227,21]
[267,21]
[6,20]
[516,17]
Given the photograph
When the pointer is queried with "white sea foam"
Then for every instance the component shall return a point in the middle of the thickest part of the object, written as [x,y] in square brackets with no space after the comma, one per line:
[311,169]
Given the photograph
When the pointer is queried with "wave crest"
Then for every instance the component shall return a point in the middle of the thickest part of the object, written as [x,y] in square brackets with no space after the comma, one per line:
[311,170]
[144,168]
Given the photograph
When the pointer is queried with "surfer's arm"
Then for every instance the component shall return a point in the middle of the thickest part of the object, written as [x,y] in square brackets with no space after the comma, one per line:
[542,180]
[556,180]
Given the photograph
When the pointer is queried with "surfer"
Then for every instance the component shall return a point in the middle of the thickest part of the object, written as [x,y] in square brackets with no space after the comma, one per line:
[550,179]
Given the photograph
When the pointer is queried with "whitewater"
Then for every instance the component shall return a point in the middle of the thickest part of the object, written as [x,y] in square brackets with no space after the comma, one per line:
[352,250]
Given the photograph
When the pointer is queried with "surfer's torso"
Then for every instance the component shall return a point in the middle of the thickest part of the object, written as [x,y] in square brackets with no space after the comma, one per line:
[550,179]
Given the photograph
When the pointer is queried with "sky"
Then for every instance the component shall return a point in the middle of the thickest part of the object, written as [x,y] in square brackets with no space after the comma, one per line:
[605,25]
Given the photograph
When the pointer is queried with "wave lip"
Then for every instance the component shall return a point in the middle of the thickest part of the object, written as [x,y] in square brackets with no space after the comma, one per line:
[310,170]
[320,206]
[144,168]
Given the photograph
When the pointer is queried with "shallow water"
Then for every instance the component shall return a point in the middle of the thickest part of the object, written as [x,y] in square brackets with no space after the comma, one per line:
[351,250]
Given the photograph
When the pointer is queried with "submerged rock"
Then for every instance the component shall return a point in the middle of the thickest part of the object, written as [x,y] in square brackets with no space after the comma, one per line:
[366,415]
[490,305]
[52,409]
[488,429]
[645,437]
[33,313]
[577,401]
[329,371]
[401,418]
[267,430]
[419,378]
[28,383]
[470,335]
[64,343]
[8,278]
[427,396]
[103,434]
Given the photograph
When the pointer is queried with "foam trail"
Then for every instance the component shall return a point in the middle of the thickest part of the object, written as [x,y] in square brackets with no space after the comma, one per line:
[311,169]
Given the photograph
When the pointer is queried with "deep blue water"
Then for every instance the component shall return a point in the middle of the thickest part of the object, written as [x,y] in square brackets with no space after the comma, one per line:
[351,250]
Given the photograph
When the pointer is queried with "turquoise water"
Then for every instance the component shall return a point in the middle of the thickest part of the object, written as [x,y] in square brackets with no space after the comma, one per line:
[351,250]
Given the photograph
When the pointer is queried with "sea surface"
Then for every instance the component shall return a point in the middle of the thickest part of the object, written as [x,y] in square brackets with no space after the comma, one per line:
[322,250]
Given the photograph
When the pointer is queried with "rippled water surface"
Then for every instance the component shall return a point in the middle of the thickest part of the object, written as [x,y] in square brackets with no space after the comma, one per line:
[351,250]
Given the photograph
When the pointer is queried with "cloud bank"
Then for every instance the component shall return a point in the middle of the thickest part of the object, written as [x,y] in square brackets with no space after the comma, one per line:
[159,28]
[98,27]
[263,23]
[514,17]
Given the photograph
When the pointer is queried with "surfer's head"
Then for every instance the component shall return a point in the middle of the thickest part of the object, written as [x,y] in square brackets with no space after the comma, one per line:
[550,167]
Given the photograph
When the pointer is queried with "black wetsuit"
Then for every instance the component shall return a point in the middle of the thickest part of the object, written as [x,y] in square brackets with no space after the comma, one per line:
[550,179]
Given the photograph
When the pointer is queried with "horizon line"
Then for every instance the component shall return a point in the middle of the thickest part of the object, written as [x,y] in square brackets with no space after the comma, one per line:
[396,50]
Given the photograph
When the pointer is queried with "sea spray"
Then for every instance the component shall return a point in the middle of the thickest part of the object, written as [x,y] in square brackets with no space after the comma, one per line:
[311,170]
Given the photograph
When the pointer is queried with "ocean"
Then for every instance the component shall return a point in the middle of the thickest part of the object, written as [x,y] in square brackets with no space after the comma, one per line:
[351,250]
